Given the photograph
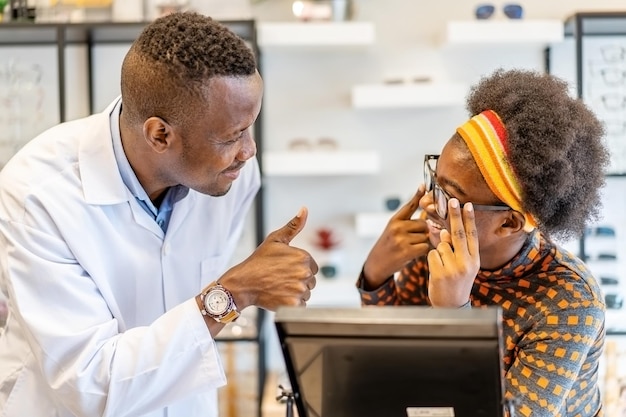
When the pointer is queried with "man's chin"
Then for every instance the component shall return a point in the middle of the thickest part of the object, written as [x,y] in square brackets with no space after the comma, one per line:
[220,193]
[214,191]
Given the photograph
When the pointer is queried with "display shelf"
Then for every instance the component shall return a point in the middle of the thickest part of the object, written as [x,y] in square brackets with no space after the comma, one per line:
[333,162]
[315,34]
[371,224]
[408,95]
[504,31]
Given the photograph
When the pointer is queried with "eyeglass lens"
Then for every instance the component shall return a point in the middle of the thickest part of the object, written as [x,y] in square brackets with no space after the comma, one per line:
[441,201]
[439,196]
[485,11]
[513,11]
[430,163]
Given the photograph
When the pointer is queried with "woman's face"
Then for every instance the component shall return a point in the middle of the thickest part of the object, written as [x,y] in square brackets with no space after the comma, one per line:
[458,175]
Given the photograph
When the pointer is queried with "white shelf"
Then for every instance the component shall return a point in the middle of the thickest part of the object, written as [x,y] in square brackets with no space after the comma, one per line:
[334,162]
[504,31]
[409,95]
[371,224]
[315,34]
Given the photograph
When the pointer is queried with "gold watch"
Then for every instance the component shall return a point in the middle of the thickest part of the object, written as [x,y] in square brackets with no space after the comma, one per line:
[218,303]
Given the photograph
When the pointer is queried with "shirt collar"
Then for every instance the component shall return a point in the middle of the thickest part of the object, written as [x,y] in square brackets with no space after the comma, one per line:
[526,259]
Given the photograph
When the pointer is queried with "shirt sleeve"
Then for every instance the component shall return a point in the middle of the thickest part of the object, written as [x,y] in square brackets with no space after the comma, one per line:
[409,287]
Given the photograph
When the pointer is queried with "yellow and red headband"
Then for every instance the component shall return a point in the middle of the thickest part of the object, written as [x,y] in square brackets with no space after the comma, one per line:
[486,139]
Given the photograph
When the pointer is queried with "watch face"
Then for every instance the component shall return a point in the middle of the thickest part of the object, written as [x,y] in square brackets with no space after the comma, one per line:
[216,302]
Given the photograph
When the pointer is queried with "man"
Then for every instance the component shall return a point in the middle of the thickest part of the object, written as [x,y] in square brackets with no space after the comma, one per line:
[528,165]
[117,229]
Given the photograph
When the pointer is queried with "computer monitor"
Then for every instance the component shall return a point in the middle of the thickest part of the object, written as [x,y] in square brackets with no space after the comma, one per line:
[393,361]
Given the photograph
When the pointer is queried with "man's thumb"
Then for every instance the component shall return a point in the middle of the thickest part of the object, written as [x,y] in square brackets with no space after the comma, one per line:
[286,233]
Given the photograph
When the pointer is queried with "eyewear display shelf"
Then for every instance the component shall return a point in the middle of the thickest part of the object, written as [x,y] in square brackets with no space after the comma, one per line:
[599,44]
[89,35]
[592,58]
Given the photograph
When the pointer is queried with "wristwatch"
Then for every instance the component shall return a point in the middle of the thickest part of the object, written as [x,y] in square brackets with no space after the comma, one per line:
[218,303]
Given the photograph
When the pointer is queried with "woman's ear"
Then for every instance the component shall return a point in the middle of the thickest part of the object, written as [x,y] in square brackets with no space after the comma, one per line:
[512,223]
[157,133]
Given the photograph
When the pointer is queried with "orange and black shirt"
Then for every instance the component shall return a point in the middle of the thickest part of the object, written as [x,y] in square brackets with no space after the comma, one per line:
[553,324]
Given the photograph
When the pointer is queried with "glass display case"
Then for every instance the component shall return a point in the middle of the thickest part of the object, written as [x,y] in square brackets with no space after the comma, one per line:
[592,59]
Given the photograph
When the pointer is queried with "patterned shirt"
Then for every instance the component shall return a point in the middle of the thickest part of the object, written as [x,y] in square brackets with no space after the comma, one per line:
[553,325]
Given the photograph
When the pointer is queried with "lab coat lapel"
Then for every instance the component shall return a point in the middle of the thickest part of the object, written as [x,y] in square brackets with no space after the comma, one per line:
[102,182]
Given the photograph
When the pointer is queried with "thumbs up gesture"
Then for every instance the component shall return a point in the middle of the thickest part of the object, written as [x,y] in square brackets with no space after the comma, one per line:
[276,273]
[403,239]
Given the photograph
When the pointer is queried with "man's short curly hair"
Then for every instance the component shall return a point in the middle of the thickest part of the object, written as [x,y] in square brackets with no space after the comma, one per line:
[556,146]
[168,65]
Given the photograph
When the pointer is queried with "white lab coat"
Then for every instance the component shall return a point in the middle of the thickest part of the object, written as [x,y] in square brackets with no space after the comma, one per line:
[103,320]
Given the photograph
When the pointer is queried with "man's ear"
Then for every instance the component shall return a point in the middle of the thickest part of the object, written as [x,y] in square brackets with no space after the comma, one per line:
[513,222]
[158,134]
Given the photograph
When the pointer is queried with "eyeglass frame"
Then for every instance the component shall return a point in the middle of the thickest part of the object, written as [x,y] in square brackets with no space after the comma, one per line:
[430,183]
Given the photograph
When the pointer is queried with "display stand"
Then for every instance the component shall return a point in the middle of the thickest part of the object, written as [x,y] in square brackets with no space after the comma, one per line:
[599,42]
[592,58]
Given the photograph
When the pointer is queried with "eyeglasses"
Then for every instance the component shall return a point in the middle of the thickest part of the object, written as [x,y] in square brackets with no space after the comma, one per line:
[613,53]
[613,101]
[613,76]
[512,11]
[321,144]
[440,196]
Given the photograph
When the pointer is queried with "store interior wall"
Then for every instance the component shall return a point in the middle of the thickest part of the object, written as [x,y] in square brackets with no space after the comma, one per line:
[307,95]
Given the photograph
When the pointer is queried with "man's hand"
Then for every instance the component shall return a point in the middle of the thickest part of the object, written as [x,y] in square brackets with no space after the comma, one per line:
[402,240]
[276,273]
[455,262]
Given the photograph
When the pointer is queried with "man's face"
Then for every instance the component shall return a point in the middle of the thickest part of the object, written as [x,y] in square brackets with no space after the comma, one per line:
[214,148]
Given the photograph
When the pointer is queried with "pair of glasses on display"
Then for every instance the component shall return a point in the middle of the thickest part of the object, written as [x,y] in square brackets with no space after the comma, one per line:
[440,197]
[613,76]
[613,101]
[613,53]
[321,144]
[511,10]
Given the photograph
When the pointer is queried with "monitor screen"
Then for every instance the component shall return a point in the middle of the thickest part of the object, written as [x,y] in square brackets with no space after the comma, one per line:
[393,361]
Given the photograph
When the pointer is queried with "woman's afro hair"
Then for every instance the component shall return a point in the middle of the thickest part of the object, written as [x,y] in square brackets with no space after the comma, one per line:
[556,146]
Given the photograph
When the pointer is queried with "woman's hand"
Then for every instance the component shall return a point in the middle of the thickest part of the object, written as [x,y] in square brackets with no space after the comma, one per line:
[454,263]
[402,240]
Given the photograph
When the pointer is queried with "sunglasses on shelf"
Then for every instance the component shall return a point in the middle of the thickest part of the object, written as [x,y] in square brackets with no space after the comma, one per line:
[511,10]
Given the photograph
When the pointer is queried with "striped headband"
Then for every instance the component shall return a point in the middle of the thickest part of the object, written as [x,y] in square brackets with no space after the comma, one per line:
[486,139]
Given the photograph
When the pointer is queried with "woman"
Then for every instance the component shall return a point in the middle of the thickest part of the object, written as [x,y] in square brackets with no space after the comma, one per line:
[528,166]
